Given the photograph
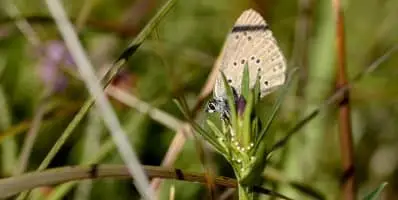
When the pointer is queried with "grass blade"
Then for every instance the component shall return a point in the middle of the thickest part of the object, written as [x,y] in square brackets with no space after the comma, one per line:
[245,90]
[231,104]
[276,107]
[376,193]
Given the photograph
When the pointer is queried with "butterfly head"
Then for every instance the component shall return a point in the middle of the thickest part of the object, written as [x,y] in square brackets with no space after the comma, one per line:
[217,104]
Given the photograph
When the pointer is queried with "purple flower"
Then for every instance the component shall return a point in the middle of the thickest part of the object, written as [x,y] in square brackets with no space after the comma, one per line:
[240,104]
[55,56]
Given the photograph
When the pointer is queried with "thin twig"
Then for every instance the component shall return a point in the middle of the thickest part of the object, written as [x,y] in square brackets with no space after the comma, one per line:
[23,126]
[346,148]
[31,136]
[22,24]
[13,185]
[84,13]
[227,194]
[175,148]
[142,107]
[91,137]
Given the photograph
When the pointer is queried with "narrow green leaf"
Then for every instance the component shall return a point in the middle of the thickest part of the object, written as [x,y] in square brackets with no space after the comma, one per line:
[246,131]
[231,104]
[254,127]
[220,137]
[376,193]
[148,29]
[245,89]
[212,140]
[308,190]
[184,104]
[215,129]
[208,136]
[182,108]
[276,107]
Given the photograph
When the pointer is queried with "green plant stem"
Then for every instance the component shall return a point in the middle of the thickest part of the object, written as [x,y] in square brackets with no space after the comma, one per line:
[71,174]
[245,192]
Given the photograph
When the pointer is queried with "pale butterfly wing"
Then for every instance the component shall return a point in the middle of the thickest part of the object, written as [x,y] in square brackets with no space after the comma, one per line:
[250,40]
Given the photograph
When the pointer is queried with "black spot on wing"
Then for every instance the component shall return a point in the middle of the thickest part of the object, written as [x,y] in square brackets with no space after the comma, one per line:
[243,28]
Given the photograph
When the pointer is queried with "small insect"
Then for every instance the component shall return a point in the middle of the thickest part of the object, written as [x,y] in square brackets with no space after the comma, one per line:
[250,42]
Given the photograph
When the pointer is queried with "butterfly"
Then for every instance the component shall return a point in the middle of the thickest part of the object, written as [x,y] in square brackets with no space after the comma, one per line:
[249,42]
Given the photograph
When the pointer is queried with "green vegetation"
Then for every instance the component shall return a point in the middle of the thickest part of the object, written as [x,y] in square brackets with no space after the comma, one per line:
[155,52]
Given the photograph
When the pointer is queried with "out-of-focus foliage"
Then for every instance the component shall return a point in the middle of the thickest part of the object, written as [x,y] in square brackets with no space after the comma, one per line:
[175,61]
[376,193]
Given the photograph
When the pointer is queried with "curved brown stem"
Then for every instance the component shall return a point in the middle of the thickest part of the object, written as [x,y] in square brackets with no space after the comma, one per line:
[13,185]
[346,148]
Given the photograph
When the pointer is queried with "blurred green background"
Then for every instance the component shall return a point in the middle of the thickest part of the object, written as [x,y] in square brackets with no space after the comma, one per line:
[175,61]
